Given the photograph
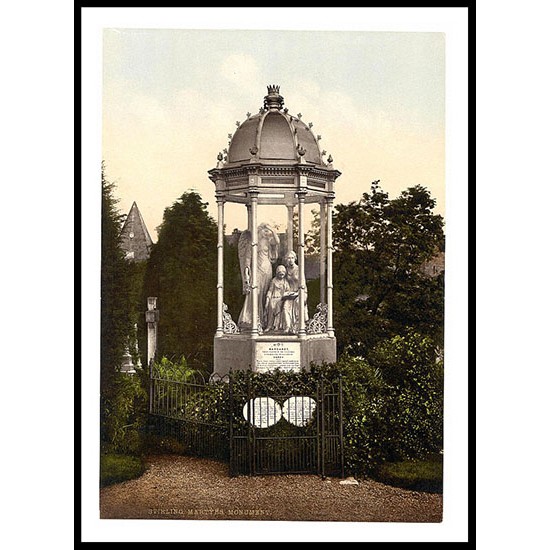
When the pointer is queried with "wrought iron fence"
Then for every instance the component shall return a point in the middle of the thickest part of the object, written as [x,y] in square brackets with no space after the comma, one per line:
[261,425]
[181,406]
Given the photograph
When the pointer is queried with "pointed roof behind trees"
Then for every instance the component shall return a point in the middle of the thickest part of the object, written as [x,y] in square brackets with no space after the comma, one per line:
[134,237]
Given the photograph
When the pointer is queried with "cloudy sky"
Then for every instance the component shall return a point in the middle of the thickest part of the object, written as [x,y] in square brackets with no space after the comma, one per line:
[171,97]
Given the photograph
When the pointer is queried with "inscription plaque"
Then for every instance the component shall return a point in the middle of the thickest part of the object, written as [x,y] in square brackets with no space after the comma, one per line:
[277,355]
[264,412]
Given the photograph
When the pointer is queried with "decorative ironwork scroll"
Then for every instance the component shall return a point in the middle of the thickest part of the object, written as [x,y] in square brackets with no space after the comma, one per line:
[318,324]
[229,326]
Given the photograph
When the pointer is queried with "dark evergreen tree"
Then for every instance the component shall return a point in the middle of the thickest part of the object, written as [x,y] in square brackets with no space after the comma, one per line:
[115,320]
[182,274]
[122,398]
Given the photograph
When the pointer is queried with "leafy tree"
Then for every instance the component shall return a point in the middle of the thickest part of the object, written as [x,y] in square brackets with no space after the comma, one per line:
[380,246]
[419,303]
[182,274]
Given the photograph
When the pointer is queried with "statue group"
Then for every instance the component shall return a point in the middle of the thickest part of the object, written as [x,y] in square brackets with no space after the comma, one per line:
[278,296]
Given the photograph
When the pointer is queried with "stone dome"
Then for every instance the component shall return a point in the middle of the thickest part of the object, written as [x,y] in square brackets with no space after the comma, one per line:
[274,136]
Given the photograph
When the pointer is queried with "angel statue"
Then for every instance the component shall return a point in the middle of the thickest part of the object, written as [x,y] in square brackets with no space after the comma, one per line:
[268,252]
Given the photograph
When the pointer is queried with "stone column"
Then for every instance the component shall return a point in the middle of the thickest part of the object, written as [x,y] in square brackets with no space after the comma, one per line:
[253,194]
[323,251]
[330,322]
[301,260]
[151,318]
[249,217]
[220,200]
[289,227]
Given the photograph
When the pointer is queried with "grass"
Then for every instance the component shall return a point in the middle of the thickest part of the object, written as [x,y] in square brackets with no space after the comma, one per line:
[116,468]
[419,475]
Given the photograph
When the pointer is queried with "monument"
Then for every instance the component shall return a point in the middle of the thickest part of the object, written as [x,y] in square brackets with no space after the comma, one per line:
[275,159]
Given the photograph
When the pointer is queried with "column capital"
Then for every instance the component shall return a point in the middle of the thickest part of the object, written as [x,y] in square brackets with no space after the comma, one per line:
[301,193]
[253,193]
[220,197]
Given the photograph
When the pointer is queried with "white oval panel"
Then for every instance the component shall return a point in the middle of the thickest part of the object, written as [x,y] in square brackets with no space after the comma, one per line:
[299,410]
[264,412]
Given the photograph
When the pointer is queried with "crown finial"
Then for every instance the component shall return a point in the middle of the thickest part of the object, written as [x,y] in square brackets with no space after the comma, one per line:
[273,99]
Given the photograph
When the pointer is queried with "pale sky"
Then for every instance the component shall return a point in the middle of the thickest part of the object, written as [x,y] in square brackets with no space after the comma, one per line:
[171,97]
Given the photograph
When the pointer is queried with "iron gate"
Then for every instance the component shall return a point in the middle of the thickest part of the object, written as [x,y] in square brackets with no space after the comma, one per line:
[276,430]
[261,424]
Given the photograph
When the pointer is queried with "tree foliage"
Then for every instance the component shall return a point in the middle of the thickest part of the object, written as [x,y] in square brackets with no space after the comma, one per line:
[380,246]
[182,274]
[115,321]
[122,396]
[312,237]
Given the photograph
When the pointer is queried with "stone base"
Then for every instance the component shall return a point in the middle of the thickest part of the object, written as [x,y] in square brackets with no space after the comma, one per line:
[266,352]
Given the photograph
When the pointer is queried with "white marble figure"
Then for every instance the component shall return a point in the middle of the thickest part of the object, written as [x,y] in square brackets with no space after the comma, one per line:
[278,291]
[291,306]
[268,252]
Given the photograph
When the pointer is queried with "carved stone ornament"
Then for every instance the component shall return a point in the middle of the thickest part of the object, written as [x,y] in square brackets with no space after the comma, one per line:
[318,324]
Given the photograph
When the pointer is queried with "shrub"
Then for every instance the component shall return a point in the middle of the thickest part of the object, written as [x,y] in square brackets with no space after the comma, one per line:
[178,371]
[393,402]
[410,365]
[124,414]
[115,468]
[366,402]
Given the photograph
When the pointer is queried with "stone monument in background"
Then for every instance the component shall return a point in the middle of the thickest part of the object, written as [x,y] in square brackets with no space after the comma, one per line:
[274,159]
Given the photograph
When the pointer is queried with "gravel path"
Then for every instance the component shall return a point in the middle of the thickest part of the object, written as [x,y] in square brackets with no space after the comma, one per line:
[181,487]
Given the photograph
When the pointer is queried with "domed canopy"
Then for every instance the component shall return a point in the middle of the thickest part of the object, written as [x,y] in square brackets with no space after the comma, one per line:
[273,136]
[276,155]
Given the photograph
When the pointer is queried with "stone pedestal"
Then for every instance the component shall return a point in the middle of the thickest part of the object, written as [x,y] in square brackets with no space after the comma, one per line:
[267,352]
